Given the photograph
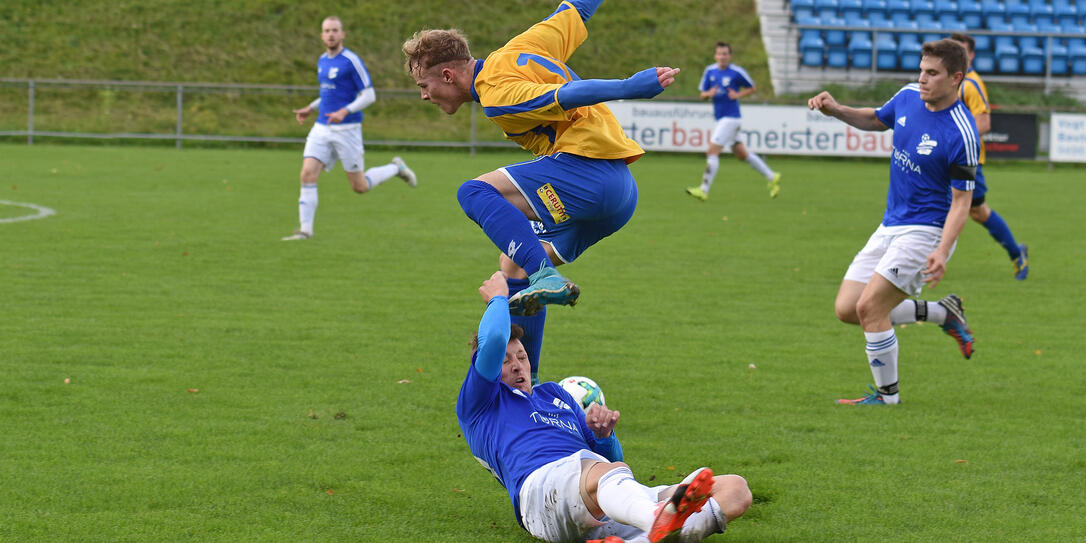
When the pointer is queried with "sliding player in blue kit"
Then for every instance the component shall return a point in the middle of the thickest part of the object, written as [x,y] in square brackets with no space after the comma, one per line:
[579,188]
[932,174]
[563,467]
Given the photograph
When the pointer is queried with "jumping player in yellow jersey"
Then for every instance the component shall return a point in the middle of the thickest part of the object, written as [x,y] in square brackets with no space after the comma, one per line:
[578,189]
[975,96]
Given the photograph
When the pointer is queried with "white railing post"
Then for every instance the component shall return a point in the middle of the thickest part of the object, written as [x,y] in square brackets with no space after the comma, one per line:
[180,111]
[30,114]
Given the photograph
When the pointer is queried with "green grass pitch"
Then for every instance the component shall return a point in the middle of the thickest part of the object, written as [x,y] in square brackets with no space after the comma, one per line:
[227,386]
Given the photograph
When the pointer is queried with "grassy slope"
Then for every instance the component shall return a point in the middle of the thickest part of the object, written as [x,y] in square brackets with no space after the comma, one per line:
[167,274]
[276,41]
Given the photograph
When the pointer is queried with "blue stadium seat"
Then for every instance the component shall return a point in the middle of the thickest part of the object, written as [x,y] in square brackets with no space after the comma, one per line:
[984,42]
[1027,41]
[1042,13]
[811,51]
[908,52]
[805,33]
[932,31]
[859,50]
[875,7]
[859,22]
[824,6]
[1059,59]
[899,10]
[1033,60]
[947,6]
[971,13]
[999,41]
[835,37]
[951,19]
[923,11]
[886,58]
[802,9]
[992,7]
[994,20]
[1007,59]
[1077,57]
[949,28]
[879,20]
[1018,12]
[984,62]
[1066,13]
[849,8]
[837,56]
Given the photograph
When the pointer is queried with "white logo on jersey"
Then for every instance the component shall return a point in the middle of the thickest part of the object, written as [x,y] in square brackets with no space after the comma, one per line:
[901,120]
[556,422]
[333,73]
[926,145]
[725,81]
[513,248]
[561,405]
[905,162]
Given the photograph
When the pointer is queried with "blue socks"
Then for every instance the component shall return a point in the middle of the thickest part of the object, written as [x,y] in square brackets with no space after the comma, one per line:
[999,230]
[504,224]
[533,328]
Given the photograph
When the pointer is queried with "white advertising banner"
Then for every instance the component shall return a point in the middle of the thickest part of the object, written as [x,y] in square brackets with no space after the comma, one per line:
[1067,138]
[769,130]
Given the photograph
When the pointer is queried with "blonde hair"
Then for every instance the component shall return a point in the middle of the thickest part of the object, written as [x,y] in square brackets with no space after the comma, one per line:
[429,48]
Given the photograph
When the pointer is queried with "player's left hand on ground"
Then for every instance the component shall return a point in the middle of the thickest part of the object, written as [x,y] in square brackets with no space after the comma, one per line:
[936,267]
[666,75]
[601,420]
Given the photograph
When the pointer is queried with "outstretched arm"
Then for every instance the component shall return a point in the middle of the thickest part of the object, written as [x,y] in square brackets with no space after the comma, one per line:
[644,84]
[862,118]
[494,327]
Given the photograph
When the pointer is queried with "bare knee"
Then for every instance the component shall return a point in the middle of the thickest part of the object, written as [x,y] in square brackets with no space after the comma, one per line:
[733,495]
[846,311]
[979,213]
[865,310]
[359,183]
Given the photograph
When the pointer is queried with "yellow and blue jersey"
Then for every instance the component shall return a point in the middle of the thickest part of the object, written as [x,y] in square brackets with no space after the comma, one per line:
[517,86]
[975,96]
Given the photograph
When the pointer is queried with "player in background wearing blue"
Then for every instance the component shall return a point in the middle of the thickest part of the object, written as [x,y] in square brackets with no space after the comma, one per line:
[932,175]
[563,466]
[725,83]
[337,135]
[975,96]
[579,189]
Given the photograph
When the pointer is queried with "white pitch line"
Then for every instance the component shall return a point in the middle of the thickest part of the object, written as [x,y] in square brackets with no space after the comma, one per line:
[42,212]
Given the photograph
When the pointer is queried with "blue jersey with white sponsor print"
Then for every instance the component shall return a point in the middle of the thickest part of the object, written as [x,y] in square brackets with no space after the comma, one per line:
[733,77]
[341,78]
[933,151]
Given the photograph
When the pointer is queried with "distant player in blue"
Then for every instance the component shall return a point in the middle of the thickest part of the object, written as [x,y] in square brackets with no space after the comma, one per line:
[337,135]
[725,83]
[579,189]
[932,174]
[562,466]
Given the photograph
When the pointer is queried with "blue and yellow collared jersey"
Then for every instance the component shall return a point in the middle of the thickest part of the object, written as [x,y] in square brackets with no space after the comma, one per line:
[517,86]
[975,95]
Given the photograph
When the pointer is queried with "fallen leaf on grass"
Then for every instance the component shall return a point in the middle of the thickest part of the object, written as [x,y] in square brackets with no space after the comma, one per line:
[961,462]
[193,390]
[340,416]
[313,415]
[403,381]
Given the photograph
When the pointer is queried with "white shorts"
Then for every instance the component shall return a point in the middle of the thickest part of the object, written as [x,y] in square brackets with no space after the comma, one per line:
[726,132]
[898,253]
[551,507]
[342,142]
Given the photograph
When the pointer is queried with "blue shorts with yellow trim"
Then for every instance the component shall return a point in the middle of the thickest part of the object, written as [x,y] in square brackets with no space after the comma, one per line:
[579,200]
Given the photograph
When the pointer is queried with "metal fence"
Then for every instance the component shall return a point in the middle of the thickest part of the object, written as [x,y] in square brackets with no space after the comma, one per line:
[465,138]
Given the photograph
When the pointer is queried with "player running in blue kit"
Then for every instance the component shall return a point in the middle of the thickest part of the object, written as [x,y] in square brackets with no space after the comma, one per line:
[337,135]
[562,466]
[725,83]
[579,188]
[932,173]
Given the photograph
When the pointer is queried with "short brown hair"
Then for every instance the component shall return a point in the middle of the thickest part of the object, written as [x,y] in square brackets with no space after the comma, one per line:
[515,332]
[966,40]
[953,55]
[720,44]
[428,48]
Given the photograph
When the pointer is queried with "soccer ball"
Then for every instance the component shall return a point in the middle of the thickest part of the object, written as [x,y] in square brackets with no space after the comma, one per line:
[584,390]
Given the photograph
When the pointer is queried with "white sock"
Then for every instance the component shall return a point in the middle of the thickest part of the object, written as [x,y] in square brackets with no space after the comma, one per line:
[758,164]
[307,208]
[712,164]
[625,500]
[910,311]
[710,520]
[380,174]
[882,357]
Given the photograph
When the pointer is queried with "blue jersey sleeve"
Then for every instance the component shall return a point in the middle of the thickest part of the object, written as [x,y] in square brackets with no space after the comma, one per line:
[609,447]
[493,338]
[587,8]
[886,112]
[586,92]
[963,158]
